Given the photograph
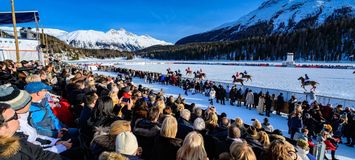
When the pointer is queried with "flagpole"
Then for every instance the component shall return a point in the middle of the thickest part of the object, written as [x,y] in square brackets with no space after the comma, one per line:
[15,31]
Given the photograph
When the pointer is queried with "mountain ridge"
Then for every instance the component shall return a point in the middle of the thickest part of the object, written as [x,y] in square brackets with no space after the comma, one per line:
[274,17]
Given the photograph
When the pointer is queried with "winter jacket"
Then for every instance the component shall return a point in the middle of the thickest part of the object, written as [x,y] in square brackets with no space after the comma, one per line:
[102,143]
[130,157]
[33,137]
[267,127]
[64,113]
[302,153]
[261,105]
[184,128]
[13,148]
[165,148]
[250,98]
[296,123]
[212,94]
[145,132]
[42,118]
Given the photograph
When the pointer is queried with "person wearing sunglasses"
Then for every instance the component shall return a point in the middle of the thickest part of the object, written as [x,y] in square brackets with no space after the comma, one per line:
[12,147]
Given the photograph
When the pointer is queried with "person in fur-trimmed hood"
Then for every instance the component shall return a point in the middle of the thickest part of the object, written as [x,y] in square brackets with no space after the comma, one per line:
[14,148]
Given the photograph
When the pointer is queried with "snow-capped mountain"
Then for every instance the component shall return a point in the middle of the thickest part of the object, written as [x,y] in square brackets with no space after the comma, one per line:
[90,39]
[112,39]
[278,16]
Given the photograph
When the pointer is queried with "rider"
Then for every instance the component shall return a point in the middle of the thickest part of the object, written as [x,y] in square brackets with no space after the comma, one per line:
[245,72]
[306,78]
[237,74]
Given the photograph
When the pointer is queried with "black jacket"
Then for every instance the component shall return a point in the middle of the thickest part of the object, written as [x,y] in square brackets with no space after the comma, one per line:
[19,149]
[184,128]
[166,148]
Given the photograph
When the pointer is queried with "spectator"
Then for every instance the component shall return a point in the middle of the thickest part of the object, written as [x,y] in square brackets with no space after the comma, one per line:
[249,99]
[127,145]
[12,147]
[242,151]
[184,126]
[104,139]
[166,145]
[267,126]
[192,148]
[41,115]
[280,149]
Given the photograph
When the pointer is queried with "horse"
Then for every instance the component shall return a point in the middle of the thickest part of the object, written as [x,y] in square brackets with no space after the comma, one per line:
[311,83]
[199,75]
[188,71]
[237,80]
[246,76]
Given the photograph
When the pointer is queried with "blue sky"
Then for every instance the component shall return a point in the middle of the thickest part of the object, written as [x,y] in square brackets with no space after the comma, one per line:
[167,20]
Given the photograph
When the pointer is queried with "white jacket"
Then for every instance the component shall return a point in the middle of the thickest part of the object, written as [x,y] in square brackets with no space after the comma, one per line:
[32,134]
[250,98]
[212,94]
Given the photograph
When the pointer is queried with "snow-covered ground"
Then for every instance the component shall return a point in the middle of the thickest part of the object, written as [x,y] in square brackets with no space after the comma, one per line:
[278,122]
[338,83]
[332,82]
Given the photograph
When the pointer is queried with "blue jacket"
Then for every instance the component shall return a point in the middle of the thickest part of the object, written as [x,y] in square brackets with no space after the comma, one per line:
[43,120]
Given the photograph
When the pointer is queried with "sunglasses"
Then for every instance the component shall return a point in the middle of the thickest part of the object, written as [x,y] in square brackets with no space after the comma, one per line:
[14,117]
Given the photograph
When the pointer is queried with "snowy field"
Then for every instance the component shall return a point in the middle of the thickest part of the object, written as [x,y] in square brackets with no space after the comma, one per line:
[343,153]
[332,82]
[339,83]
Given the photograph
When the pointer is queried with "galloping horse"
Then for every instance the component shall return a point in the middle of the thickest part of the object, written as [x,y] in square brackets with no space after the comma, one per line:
[311,83]
[246,76]
[237,80]
[199,75]
[188,71]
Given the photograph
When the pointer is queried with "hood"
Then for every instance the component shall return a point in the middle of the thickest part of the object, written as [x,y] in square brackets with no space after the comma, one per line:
[9,146]
[105,141]
[146,128]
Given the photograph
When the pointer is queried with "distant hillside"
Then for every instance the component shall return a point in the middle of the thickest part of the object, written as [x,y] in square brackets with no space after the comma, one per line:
[274,17]
[331,41]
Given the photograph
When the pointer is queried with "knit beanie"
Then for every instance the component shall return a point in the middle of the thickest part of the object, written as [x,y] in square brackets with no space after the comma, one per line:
[16,98]
[126,143]
[199,124]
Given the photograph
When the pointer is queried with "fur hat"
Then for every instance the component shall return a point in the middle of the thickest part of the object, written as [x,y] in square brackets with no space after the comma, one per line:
[126,143]
[16,98]
[199,124]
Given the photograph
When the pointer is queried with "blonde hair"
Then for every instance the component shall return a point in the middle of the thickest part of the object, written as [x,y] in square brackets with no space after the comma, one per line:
[33,78]
[212,119]
[280,149]
[169,127]
[160,105]
[112,156]
[180,107]
[241,151]
[257,124]
[264,139]
[119,126]
[192,148]
[239,122]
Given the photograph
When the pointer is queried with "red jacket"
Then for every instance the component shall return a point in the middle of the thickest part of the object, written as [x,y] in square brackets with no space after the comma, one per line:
[63,113]
[329,145]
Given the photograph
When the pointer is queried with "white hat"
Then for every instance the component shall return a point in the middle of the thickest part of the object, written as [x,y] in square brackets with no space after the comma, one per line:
[199,124]
[126,143]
